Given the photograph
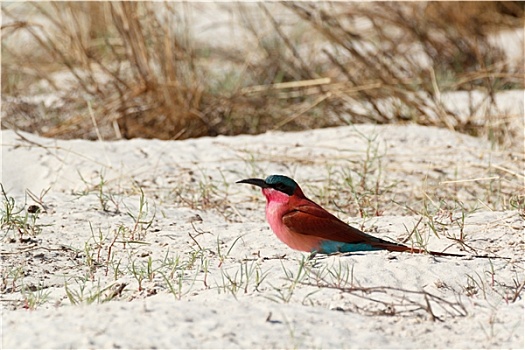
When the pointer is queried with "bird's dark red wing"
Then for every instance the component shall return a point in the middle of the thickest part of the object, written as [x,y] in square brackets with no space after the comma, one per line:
[312,220]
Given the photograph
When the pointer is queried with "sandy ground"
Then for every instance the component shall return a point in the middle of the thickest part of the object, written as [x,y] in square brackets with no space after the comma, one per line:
[151,244]
[195,265]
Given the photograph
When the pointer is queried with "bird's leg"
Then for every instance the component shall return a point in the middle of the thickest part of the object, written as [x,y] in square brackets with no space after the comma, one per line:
[312,255]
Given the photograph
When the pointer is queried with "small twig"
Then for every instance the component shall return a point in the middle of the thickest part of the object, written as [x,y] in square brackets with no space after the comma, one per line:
[508,171]
[413,230]
[110,247]
[470,180]
[94,121]
[452,308]
[36,246]
[36,199]
[429,310]
[302,111]
[286,85]
[518,292]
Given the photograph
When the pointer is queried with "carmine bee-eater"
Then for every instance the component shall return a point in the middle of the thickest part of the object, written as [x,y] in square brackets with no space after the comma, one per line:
[304,225]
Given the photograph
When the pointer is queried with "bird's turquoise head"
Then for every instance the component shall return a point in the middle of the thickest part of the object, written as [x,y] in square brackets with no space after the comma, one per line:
[280,183]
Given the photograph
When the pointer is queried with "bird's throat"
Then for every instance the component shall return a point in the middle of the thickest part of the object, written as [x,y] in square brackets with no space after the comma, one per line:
[274,196]
[276,206]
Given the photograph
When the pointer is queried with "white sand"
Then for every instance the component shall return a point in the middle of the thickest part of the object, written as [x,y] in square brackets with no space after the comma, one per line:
[219,277]
[235,285]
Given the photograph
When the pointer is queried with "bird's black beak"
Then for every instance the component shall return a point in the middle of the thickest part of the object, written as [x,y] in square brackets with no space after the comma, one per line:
[257,182]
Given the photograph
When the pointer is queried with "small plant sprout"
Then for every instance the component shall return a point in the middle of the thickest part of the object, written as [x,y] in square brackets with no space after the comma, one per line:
[141,223]
[223,257]
[340,274]
[35,296]
[105,197]
[179,275]
[285,293]
[246,278]
[23,223]
[84,294]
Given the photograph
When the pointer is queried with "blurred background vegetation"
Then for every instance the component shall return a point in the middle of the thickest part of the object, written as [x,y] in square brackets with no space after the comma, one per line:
[168,70]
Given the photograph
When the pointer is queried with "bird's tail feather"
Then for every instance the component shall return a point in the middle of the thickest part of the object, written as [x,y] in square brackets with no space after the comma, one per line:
[394,247]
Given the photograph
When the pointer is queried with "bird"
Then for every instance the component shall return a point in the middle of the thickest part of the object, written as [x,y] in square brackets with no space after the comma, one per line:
[304,225]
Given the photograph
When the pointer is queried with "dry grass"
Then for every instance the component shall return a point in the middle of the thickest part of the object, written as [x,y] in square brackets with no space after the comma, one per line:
[126,69]
[384,61]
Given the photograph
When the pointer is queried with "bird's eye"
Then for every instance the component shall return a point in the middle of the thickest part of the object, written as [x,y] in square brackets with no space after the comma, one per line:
[280,187]
[283,188]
